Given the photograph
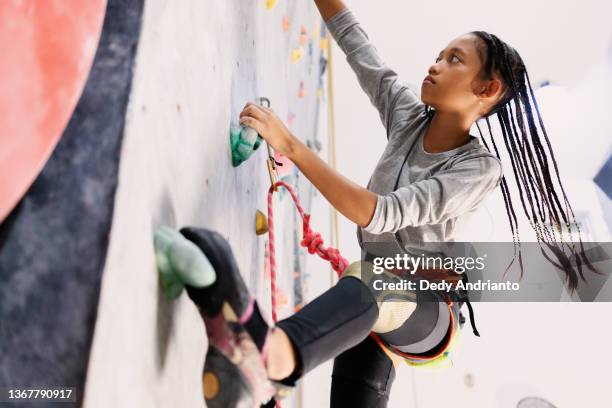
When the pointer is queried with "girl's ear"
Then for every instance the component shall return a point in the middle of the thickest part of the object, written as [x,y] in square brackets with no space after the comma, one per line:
[493,88]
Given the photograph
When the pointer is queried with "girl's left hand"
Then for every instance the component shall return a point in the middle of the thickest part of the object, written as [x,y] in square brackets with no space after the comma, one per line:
[269,126]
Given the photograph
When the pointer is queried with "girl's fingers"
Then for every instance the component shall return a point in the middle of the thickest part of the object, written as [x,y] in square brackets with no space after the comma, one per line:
[253,110]
[252,123]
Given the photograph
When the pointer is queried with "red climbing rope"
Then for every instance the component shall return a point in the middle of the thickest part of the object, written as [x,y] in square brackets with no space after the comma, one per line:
[311,240]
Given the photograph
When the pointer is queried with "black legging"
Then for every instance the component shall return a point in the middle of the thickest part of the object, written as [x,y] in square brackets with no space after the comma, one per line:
[362,377]
[337,325]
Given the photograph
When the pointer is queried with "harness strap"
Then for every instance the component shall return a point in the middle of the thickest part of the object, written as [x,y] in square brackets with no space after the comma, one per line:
[472,322]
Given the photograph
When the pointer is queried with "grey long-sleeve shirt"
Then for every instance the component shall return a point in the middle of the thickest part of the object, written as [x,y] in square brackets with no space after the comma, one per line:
[433,189]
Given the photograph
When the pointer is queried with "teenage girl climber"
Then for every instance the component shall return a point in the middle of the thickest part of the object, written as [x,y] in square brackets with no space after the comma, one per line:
[431,173]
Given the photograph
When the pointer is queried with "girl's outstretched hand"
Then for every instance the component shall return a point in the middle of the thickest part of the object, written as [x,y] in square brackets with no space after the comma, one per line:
[269,126]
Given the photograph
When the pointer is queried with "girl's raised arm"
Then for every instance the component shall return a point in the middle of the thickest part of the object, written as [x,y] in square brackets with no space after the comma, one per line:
[394,101]
[329,8]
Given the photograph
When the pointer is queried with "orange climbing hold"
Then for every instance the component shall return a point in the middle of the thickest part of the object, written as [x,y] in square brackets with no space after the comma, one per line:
[303,36]
[302,90]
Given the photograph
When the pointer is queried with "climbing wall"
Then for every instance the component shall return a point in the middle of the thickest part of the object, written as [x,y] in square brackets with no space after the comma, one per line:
[148,145]
[53,240]
[198,64]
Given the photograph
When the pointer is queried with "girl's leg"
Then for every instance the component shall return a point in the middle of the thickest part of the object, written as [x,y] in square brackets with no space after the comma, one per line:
[337,320]
[362,377]
[241,344]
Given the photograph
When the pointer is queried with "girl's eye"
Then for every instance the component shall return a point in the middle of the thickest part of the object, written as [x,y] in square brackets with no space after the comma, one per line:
[454,56]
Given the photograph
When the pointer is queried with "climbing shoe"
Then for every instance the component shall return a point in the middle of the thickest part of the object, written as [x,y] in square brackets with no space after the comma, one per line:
[235,373]
[180,262]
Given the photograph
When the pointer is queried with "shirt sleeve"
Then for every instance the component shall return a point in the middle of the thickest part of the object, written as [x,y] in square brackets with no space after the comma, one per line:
[445,195]
[394,101]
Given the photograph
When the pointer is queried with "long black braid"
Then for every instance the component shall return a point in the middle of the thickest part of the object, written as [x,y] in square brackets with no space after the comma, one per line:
[529,161]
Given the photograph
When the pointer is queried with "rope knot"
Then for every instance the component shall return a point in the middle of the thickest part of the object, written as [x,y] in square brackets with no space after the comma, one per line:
[311,240]
[338,262]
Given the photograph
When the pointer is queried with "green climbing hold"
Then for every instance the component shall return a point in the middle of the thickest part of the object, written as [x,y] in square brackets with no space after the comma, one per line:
[180,262]
[243,141]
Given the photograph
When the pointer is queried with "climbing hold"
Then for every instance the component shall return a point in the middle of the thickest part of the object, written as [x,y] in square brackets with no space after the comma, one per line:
[179,262]
[320,92]
[324,43]
[285,164]
[270,4]
[286,23]
[302,90]
[281,298]
[243,142]
[261,223]
[303,36]
[297,54]
[323,65]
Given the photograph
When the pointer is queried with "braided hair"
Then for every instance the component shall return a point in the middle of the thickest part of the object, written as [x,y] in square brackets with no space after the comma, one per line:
[530,164]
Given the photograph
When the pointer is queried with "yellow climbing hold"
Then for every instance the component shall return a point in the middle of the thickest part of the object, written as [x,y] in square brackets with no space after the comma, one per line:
[261,223]
[210,383]
[297,54]
[324,43]
[270,4]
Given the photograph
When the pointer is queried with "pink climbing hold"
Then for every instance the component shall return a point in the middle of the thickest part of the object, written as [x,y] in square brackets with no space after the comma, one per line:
[287,164]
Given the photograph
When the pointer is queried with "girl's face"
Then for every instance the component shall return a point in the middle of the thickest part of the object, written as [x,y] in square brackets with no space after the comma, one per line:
[457,87]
